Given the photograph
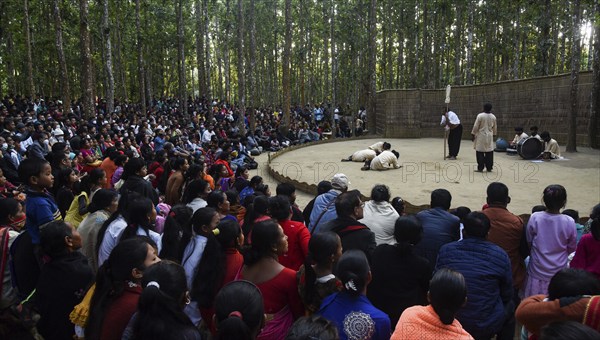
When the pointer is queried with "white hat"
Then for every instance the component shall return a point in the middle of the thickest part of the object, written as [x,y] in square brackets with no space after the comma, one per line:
[340,181]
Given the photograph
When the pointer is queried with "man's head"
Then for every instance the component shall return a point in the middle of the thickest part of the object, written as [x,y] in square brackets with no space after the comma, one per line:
[572,282]
[386,146]
[533,130]
[545,135]
[340,182]
[441,198]
[497,193]
[348,204]
[487,107]
[519,130]
[476,224]
[288,190]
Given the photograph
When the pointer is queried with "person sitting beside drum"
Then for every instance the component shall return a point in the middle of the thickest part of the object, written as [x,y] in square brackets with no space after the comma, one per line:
[551,148]
[519,135]
[534,132]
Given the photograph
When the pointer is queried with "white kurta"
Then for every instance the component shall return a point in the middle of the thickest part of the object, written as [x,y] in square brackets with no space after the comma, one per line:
[553,148]
[377,146]
[363,155]
[484,130]
[384,161]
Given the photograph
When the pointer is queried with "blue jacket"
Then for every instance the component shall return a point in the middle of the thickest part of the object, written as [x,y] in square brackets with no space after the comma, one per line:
[439,227]
[326,200]
[355,317]
[487,272]
[40,209]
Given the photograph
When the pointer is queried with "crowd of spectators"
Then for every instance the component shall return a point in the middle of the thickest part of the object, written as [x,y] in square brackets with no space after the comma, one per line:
[131,225]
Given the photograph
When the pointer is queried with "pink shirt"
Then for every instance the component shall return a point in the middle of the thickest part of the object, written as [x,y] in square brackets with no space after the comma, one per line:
[587,255]
[552,238]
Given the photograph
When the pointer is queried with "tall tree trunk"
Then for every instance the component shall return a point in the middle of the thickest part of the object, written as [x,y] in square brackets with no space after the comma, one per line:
[207,49]
[425,47]
[544,42]
[227,50]
[253,102]
[121,65]
[327,10]
[334,61]
[458,44]
[107,56]
[64,79]
[517,41]
[287,51]
[575,62]
[595,107]
[200,47]
[372,65]
[10,64]
[30,84]
[140,57]
[468,67]
[240,68]
[181,58]
[86,60]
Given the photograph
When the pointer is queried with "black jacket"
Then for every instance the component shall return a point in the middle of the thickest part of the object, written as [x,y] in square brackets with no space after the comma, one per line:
[62,285]
[141,186]
[354,235]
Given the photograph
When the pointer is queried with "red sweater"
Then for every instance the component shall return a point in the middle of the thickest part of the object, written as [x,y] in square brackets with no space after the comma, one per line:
[298,237]
[119,313]
[233,263]
[281,291]
[587,255]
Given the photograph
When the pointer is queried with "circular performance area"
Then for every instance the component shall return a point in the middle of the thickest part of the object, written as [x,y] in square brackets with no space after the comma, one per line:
[424,170]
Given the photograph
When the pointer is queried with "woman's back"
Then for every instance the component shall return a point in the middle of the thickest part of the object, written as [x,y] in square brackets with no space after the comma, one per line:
[400,280]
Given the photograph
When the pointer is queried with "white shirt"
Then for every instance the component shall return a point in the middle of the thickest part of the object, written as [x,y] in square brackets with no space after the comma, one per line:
[197,203]
[385,160]
[207,136]
[452,118]
[363,155]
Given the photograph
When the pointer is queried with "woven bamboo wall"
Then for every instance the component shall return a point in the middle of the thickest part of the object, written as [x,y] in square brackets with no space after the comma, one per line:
[543,101]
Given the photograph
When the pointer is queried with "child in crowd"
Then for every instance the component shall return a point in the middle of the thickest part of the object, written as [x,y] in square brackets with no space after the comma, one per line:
[552,236]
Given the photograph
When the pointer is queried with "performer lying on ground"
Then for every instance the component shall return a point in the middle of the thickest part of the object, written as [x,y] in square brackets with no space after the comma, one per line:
[384,161]
[369,153]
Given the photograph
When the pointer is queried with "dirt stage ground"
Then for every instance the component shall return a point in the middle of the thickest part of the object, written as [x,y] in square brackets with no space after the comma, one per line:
[424,170]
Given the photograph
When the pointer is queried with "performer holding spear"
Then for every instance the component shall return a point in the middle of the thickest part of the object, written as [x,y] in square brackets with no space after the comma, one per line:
[452,129]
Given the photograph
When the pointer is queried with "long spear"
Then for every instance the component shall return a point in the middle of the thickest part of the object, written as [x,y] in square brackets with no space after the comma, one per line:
[447,101]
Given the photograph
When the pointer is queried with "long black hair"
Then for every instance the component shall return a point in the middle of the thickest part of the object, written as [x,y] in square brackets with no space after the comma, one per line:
[176,222]
[259,206]
[160,308]
[201,218]
[321,247]
[124,200]
[211,270]
[265,236]
[239,311]
[137,216]
[353,270]
[447,294]
[111,279]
